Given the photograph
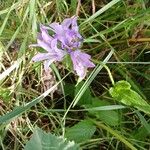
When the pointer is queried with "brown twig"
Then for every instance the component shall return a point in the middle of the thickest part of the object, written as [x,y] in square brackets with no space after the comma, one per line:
[93,6]
[78,8]
[139,40]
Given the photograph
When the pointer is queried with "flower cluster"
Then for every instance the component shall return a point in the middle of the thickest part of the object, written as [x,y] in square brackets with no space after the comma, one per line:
[65,39]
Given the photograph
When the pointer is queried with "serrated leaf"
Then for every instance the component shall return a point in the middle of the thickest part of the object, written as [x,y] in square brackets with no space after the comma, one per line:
[109,117]
[46,141]
[82,131]
[123,93]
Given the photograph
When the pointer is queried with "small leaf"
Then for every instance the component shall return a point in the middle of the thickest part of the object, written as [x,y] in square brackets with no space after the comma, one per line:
[123,93]
[46,141]
[5,94]
[82,131]
[67,62]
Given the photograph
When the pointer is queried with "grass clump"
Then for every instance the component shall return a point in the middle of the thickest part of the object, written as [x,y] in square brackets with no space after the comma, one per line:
[109,109]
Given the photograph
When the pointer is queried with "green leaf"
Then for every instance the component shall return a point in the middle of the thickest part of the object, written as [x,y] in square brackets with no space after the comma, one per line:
[69,89]
[86,98]
[123,93]
[68,62]
[5,94]
[46,141]
[109,117]
[80,132]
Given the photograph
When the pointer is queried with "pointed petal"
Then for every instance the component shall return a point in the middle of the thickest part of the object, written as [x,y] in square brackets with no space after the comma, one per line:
[81,72]
[41,56]
[74,24]
[47,64]
[54,43]
[57,28]
[67,22]
[44,33]
[84,58]
[70,22]
[81,62]
[44,45]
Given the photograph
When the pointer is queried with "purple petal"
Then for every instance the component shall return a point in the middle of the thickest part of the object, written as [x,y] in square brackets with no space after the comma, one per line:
[47,63]
[57,28]
[43,44]
[78,67]
[67,22]
[41,56]
[81,61]
[54,43]
[74,24]
[60,53]
[84,58]
[44,33]
[70,22]
[81,71]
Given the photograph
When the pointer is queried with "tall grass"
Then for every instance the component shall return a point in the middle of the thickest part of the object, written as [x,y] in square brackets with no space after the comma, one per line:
[116,35]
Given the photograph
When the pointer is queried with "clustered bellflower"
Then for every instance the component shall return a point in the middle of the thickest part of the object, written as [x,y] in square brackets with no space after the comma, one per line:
[65,39]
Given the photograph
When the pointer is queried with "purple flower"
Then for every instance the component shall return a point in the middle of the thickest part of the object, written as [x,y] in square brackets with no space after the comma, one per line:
[52,54]
[65,39]
[67,33]
[81,61]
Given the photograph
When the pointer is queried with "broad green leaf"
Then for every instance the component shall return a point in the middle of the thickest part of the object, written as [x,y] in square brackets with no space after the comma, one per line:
[46,141]
[110,117]
[123,93]
[69,89]
[82,131]
[86,98]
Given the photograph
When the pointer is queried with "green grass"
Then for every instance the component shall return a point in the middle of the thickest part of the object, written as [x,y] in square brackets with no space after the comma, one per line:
[117,36]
